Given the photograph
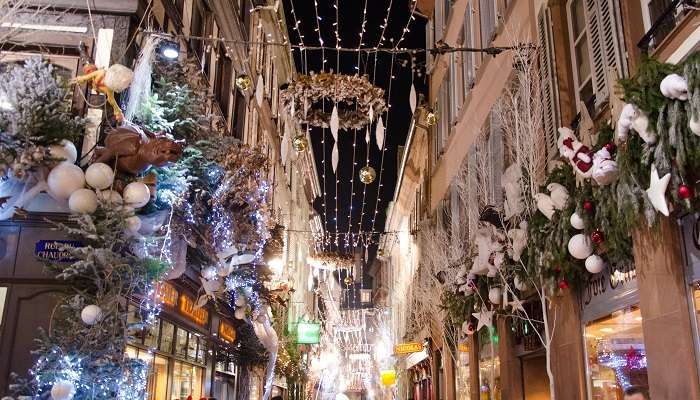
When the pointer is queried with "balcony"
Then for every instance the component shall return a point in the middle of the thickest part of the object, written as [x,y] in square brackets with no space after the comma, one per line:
[668,19]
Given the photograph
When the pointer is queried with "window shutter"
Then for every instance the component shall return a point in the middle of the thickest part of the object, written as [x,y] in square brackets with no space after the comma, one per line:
[549,91]
[496,163]
[602,18]
[455,217]
[487,13]
[473,195]
[455,91]
[468,57]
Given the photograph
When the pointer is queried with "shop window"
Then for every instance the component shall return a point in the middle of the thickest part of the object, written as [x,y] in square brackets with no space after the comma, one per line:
[187,381]
[489,365]
[181,343]
[158,374]
[192,346]
[202,351]
[616,355]
[462,373]
[151,335]
[166,339]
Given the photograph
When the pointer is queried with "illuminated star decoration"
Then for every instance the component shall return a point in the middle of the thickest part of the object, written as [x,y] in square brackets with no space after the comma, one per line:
[657,190]
[485,318]
[517,305]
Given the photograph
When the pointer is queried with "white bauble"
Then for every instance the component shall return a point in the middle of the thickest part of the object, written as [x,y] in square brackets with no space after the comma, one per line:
[110,197]
[209,273]
[133,224]
[99,176]
[83,201]
[136,194]
[118,77]
[62,390]
[240,301]
[595,264]
[64,179]
[519,283]
[239,313]
[65,151]
[495,295]
[576,221]
[91,314]
[580,246]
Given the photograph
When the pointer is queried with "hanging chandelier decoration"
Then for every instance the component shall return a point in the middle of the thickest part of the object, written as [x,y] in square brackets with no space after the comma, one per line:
[355,100]
[331,261]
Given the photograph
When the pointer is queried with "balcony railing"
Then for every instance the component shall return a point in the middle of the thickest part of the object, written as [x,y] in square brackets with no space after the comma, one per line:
[666,23]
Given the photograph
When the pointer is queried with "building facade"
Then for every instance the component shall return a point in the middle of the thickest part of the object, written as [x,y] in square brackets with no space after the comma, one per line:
[583,48]
[197,350]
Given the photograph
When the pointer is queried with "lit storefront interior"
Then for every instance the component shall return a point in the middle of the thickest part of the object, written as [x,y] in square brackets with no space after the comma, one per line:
[489,365]
[462,374]
[615,354]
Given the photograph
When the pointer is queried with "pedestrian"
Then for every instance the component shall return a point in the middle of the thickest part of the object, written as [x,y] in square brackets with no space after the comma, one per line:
[636,393]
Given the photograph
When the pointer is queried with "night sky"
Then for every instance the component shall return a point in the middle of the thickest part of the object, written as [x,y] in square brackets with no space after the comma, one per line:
[351,16]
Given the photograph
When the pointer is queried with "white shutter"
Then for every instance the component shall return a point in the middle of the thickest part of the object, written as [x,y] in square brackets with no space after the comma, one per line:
[429,42]
[455,91]
[487,14]
[473,193]
[602,18]
[455,216]
[468,41]
[549,90]
[496,163]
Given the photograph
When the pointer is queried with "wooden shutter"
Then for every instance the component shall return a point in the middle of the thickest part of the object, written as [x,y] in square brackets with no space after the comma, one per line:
[602,17]
[487,14]
[473,193]
[455,217]
[468,57]
[496,163]
[549,90]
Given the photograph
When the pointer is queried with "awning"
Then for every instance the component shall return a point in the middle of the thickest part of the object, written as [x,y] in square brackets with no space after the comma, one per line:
[415,358]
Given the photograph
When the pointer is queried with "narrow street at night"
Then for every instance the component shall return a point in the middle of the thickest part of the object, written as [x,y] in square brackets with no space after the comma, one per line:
[350,200]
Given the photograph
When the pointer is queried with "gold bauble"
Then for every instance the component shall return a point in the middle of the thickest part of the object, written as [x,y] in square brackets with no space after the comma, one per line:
[367,175]
[431,118]
[348,280]
[243,82]
[300,143]
[380,252]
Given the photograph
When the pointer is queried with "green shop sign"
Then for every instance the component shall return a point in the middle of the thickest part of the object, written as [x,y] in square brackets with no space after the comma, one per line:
[308,333]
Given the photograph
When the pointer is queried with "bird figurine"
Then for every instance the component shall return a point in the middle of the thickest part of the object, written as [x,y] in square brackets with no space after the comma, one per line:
[674,87]
[518,238]
[632,117]
[558,194]
[545,205]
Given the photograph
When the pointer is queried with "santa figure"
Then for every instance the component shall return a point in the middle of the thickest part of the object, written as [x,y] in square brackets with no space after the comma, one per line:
[579,155]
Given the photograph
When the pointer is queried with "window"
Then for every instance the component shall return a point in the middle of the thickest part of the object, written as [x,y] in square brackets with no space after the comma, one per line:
[158,374]
[469,75]
[151,335]
[192,346]
[187,381]
[489,365]
[595,49]
[616,354]
[487,17]
[222,83]
[462,373]
[3,300]
[181,343]
[166,339]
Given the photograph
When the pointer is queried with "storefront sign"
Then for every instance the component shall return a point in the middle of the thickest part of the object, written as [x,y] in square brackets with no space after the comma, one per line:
[388,377]
[188,309]
[56,250]
[166,294]
[308,333]
[227,332]
[610,290]
[406,348]
[463,347]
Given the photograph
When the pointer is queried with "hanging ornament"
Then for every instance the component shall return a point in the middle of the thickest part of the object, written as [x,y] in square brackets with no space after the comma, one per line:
[563,284]
[412,99]
[485,318]
[576,221]
[64,179]
[260,91]
[674,87]
[106,81]
[610,147]
[243,82]
[133,224]
[579,246]
[64,151]
[367,135]
[99,176]
[110,197]
[136,194]
[335,122]
[495,295]
[558,194]
[83,201]
[588,206]
[431,118]
[379,133]
[367,175]
[62,390]
[300,143]
[657,190]
[348,280]
[517,305]
[334,157]
[594,264]
[685,192]
[597,237]
[91,314]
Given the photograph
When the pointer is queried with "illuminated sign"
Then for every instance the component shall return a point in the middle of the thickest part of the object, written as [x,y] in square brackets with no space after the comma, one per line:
[227,332]
[308,333]
[406,348]
[56,250]
[463,347]
[388,377]
[166,294]
[187,308]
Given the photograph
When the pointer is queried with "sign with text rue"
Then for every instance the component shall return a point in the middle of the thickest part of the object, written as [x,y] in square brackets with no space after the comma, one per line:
[56,250]
[407,348]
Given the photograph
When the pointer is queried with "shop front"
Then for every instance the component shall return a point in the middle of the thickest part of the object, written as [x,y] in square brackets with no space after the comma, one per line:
[612,322]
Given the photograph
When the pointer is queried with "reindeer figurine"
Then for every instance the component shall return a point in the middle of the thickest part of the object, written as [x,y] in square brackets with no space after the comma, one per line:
[136,151]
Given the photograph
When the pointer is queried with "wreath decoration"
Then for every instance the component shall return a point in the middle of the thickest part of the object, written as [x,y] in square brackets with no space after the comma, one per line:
[354,96]
[331,261]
